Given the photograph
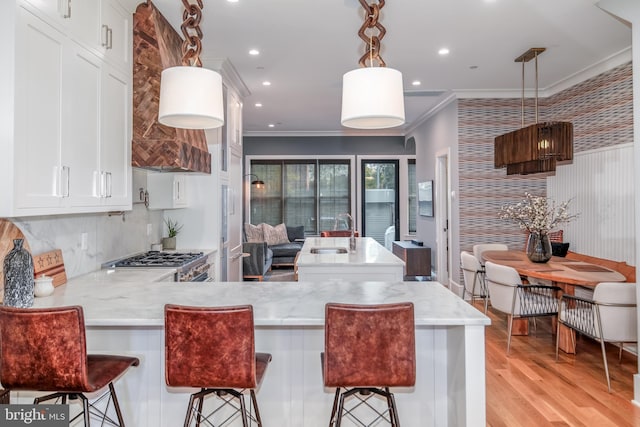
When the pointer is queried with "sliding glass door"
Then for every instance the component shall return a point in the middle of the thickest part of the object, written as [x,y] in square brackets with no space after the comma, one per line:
[380,201]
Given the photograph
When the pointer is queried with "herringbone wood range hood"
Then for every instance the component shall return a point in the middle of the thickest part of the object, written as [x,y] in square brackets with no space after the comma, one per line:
[156,46]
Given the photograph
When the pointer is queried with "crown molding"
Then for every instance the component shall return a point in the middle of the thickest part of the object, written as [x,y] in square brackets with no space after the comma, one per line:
[352,132]
[606,64]
[229,74]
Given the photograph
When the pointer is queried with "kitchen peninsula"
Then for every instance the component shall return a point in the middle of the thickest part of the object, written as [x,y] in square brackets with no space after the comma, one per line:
[127,318]
[329,258]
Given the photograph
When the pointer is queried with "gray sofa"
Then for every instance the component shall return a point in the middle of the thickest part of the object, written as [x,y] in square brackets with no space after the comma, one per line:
[262,256]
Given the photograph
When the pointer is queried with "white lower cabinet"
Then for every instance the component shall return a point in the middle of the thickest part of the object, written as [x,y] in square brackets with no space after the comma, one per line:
[71,126]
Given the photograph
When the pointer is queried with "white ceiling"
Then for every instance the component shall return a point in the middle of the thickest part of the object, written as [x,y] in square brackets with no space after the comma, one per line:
[306,46]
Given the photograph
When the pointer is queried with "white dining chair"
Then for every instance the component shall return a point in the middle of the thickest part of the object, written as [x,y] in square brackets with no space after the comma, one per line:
[474,284]
[610,316]
[510,296]
[480,248]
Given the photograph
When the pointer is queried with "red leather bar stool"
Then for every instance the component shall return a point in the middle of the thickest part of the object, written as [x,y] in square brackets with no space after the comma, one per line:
[367,350]
[44,349]
[213,348]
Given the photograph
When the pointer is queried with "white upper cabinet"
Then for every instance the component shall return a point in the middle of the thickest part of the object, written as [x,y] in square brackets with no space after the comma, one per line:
[234,116]
[37,131]
[78,19]
[115,138]
[67,114]
[81,126]
[167,190]
[115,35]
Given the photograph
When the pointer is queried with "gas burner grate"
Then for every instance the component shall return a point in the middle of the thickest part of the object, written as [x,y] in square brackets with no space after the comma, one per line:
[160,259]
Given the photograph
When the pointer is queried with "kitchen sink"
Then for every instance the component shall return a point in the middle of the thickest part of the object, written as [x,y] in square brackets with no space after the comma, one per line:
[319,251]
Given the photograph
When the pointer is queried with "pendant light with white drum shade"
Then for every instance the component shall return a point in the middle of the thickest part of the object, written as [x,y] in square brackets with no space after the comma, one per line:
[372,97]
[191,96]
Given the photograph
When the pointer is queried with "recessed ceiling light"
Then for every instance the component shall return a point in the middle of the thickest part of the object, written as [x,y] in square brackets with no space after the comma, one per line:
[416,83]
[266,83]
[443,51]
[258,104]
[254,52]
[271,125]
[232,1]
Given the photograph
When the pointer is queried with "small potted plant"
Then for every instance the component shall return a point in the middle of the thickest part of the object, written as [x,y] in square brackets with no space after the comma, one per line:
[173,228]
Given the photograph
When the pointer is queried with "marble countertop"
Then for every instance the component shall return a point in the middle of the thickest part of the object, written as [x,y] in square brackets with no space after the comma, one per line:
[113,275]
[140,304]
[368,251]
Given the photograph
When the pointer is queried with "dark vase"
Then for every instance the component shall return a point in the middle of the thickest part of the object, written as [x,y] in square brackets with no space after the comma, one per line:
[18,277]
[539,247]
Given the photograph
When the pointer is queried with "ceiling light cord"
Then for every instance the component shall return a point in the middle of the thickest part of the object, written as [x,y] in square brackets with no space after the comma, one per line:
[372,40]
[192,44]
[536,62]
[522,99]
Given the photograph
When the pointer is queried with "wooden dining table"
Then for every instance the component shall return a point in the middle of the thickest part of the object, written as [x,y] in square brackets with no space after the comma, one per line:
[565,273]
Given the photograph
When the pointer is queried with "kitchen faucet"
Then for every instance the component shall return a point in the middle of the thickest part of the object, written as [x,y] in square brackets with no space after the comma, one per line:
[351,225]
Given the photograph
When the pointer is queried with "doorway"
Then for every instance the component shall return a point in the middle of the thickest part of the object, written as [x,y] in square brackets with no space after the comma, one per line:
[380,200]
[443,218]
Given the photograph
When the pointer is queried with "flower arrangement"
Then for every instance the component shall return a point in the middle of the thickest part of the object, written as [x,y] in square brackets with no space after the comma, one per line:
[173,228]
[537,214]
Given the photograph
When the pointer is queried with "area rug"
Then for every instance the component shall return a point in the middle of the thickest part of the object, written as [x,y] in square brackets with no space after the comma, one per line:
[280,275]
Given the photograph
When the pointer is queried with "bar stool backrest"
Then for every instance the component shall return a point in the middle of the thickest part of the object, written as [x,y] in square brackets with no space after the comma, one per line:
[369,345]
[43,349]
[210,347]
[338,233]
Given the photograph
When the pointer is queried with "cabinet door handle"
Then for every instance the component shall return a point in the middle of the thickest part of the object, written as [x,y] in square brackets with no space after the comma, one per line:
[109,185]
[66,172]
[110,34]
[68,14]
[178,186]
[105,36]
[102,184]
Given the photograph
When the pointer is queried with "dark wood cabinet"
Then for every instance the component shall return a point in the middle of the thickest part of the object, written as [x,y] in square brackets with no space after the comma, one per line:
[417,258]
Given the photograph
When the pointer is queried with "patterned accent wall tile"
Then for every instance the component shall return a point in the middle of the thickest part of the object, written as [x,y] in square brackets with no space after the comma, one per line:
[600,108]
[601,111]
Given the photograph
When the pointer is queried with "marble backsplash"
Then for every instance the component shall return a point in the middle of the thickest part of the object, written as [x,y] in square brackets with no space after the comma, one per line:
[108,237]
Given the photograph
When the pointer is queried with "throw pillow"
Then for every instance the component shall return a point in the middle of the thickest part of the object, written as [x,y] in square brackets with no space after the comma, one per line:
[556,236]
[295,233]
[275,235]
[253,232]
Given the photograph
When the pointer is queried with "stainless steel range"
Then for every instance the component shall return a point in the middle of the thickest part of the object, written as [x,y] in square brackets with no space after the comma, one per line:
[190,266]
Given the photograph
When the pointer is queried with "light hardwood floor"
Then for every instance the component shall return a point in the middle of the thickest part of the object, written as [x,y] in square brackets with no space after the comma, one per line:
[529,388]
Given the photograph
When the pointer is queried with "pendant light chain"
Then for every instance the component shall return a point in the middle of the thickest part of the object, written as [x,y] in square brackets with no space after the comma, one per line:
[372,40]
[192,44]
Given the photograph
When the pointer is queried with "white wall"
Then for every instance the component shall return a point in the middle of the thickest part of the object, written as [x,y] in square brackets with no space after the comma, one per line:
[600,186]
[436,134]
